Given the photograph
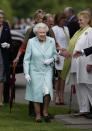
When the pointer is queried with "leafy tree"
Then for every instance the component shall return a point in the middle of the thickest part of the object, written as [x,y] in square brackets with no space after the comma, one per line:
[25,8]
[5,5]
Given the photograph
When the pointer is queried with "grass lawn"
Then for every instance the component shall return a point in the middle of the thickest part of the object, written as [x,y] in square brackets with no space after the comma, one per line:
[19,120]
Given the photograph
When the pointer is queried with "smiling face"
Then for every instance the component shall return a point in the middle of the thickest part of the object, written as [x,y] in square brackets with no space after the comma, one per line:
[39,17]
[41,33]
[84,18]
[83,22]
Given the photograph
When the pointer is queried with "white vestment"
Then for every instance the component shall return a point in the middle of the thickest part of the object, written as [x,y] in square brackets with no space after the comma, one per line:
[78,67]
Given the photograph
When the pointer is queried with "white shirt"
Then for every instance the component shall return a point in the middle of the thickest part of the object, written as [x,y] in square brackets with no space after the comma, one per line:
[62,38]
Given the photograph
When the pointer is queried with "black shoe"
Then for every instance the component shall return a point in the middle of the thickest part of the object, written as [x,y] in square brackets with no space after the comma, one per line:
[47,119]
[51,116]
[88,116]
[38,120]
[80,114]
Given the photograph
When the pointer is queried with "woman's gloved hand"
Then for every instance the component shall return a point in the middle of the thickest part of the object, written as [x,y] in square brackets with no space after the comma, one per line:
[28,78]
[48,61]
[5,45]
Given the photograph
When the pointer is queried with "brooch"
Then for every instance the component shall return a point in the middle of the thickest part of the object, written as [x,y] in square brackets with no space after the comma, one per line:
[50,41]
[86,33]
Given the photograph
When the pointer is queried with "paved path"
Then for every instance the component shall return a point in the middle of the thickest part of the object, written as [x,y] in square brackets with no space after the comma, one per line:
[73,122]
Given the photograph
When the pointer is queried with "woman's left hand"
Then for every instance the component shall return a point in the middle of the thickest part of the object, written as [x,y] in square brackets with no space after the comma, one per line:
[89,68]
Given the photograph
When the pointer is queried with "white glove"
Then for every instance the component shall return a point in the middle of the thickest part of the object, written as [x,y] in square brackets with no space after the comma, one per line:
[5,45]
[28,78]
[48,61]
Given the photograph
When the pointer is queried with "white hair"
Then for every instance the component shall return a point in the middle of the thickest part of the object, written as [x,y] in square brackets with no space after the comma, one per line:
[40,26]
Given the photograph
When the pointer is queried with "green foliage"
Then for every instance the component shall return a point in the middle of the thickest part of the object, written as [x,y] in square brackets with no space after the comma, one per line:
[6,6]
[21,7]
[25,8]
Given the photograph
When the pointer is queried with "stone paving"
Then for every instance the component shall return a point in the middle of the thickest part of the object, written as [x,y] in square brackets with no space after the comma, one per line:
[79,122]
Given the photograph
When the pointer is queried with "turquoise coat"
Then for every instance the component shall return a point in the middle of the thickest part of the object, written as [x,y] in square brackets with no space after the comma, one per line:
[40,74]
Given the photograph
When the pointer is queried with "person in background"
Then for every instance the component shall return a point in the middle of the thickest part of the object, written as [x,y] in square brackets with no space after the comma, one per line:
[48,19]
[38,17]
[5,42]
[16,24]
[29,24]
[71,21]
[62,39]
[38,70]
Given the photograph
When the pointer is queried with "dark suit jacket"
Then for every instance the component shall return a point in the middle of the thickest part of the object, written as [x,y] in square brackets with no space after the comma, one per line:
[88,51]
[5,37]
[72,25]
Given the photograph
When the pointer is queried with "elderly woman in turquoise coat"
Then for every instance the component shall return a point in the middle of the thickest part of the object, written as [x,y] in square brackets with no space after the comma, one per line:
[38,69]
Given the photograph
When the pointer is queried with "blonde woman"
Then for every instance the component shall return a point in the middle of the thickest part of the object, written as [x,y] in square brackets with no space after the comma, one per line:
[80,73]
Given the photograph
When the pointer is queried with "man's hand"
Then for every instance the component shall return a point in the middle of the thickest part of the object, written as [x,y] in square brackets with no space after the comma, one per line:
[16,60]
[64,52]
[89,68]
[77,54]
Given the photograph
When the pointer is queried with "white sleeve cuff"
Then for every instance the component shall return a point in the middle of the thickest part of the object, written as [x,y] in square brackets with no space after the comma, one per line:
[82,51]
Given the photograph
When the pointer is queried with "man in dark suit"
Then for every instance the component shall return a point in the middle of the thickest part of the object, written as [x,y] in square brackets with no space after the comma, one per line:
[71,21]
[5,40]
[88,51]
